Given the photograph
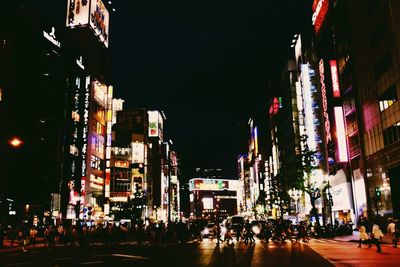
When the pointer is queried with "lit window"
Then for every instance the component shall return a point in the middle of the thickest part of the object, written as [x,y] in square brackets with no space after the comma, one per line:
[388,98]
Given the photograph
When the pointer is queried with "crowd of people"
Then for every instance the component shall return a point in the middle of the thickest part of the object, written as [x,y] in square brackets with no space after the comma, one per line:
[371,233]
[157,233]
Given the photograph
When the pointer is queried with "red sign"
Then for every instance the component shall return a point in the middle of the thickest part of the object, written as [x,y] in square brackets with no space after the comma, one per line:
[275,106]
[335,78]
[320,9]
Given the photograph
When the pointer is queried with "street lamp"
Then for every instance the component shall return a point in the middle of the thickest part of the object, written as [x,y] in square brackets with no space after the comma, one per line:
[15,142]
[295,195]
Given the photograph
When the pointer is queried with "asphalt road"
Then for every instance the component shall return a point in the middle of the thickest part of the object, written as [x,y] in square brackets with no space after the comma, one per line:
[206,253]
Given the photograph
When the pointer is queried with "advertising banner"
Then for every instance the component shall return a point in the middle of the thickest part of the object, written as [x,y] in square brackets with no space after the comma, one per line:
[77,13]
[99,19]
[137,152]
[153,123]
[341,197]
[81,13]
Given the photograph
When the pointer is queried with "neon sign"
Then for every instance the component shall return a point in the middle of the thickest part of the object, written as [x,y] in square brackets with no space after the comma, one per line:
[341,134]
[335,78]
[320,9]
[52,37]
[275,106]
[328,136]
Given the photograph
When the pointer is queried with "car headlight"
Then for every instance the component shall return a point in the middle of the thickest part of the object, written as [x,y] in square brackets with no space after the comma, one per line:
[256,230]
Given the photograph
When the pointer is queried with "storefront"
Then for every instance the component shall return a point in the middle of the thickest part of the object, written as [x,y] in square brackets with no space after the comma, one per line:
[342,198]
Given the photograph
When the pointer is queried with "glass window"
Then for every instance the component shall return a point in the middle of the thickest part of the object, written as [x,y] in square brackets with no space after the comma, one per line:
[388,98]
[392,134]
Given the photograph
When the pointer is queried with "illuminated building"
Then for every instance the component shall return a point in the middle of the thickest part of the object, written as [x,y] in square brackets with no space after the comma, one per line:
[375,49]
[251,192]
[213,199]
[85,189]
[152,164]
[285,141]
[340,90]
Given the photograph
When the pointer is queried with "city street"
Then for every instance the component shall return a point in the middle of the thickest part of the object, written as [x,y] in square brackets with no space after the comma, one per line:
[206,253]
[318,252]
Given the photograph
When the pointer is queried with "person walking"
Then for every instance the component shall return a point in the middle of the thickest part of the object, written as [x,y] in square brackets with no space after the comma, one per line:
[364,238]
[376,237]
[218,232]
[391,229]
[396,233]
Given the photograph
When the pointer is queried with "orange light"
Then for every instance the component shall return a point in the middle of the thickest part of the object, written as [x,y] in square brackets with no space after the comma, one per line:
[15,142]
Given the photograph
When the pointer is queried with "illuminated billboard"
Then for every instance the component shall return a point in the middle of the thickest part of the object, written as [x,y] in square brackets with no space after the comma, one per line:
[320,9]
[341,134]
[335,78]
[155,124]
[77,13]
[275,105]
[137,152]
[309,115]
[99,19]
[81,13]
[100,92]
[204,184]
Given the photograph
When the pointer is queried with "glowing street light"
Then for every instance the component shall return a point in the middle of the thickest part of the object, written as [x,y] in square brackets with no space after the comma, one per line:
[15,142]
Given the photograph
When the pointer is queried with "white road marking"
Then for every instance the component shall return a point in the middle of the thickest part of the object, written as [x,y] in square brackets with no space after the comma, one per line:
[92,262]
[130,256]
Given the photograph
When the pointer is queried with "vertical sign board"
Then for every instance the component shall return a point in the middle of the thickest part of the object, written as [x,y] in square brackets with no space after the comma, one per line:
[327,125]
[153,123]
[137,152]
[341,134]
[335,78]
[320,9]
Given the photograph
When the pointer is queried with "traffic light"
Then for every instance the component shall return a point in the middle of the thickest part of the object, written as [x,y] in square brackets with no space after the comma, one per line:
[378,192]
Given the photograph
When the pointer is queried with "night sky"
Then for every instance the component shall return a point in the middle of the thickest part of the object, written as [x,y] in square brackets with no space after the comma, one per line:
[209,65]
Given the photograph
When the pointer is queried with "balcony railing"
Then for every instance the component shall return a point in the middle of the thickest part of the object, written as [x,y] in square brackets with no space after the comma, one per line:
[352,128]
[354,151]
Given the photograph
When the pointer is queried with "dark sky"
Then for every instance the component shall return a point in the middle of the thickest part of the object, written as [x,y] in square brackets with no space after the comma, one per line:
[209,65]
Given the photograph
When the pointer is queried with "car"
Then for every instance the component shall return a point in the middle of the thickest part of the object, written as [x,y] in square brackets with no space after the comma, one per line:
[258,227]
[209,230]
[237,223]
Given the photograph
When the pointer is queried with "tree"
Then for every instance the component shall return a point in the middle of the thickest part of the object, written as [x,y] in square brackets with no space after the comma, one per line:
[305,166]
[280,196]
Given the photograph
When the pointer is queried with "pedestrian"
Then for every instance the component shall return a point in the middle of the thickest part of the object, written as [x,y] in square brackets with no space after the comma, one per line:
[391,230]
[397,233]
[363,236]
[376,237]
[218,232]
[32,236]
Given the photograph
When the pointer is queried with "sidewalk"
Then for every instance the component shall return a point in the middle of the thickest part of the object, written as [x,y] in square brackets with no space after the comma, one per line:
[7,246]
